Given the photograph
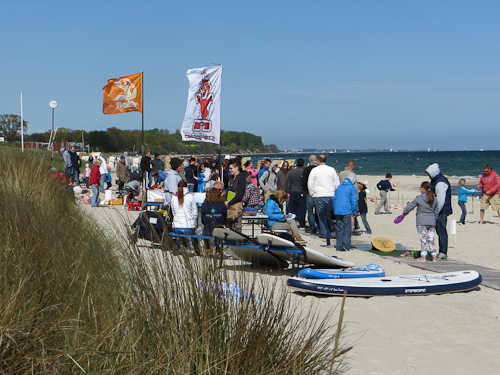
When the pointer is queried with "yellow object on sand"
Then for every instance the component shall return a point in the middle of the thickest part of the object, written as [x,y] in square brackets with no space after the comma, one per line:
[383,244]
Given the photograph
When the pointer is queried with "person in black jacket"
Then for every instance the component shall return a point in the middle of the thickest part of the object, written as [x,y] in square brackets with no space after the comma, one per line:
[363,206]
[236,185]
[298,201]
[146,168]
[191,175]
[311,216]
[384,186]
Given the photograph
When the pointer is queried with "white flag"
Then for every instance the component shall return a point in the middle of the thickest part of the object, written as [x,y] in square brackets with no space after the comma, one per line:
[202,119]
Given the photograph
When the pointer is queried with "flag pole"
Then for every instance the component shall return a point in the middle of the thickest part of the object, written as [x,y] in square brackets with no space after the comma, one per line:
[144,191]
[22,127]
[142,106]
[220,136]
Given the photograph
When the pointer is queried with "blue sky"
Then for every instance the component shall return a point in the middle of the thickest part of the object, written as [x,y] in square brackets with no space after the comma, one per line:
[302,74]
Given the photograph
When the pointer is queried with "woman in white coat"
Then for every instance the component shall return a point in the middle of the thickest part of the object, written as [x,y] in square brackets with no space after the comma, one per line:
[185,212]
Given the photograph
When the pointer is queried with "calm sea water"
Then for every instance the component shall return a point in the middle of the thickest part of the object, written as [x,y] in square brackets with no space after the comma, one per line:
[452,163]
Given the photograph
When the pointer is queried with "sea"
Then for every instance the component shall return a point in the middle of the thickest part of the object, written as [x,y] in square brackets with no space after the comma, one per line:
[373,163]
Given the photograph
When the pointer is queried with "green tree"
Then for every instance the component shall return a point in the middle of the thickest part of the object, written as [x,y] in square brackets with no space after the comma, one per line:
[10,127]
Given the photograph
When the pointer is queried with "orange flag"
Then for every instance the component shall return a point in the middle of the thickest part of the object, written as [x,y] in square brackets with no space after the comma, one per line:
[122,95]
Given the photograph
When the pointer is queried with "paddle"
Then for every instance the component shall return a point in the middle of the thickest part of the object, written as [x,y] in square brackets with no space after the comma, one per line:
[399,219]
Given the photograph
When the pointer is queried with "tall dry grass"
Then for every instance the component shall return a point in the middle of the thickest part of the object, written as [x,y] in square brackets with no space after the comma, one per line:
[74,302]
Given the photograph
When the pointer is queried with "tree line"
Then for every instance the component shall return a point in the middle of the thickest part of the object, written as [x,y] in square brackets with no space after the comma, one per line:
[157,140]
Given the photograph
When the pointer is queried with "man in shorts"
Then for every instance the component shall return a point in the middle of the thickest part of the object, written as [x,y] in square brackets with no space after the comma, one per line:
[491,188]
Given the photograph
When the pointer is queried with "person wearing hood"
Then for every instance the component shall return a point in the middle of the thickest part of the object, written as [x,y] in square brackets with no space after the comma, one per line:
[268,182]
[282,176]
[122,172]
[173,178]
[442,190]
[345,204]
[67,162]
[128,162]
[304,178]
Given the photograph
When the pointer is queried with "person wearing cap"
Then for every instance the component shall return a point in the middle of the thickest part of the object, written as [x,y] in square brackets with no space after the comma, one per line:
[122,174]
[173,178]
[345,204]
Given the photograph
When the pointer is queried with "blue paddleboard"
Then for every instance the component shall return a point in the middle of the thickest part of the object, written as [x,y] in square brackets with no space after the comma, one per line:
[370,270]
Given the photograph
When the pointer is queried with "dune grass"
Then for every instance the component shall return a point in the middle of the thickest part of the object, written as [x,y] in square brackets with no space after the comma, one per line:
[74,302]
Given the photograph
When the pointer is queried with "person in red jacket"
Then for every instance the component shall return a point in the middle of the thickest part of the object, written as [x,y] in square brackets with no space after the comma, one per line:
[491,188]
[95,182]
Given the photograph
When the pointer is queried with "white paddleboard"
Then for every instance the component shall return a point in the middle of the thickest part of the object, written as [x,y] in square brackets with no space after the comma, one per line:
[313,257]
[243,247]
[410,285]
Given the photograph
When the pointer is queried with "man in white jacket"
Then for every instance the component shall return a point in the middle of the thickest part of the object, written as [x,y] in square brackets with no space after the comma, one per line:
[322,183]
[103,170]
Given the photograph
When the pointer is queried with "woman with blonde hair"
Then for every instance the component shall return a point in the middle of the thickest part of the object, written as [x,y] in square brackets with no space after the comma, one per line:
[276,220]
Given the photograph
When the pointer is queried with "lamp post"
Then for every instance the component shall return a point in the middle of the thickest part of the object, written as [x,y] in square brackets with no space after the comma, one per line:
[53,105]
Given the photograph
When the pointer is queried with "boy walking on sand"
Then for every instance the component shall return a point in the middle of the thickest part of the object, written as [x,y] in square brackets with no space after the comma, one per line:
[384,186]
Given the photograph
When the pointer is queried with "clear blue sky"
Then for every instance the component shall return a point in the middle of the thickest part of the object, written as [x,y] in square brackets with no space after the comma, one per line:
[323,74]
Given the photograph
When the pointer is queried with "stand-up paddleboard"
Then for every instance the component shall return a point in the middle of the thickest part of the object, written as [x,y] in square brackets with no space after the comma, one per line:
[370,270]
[247,249]
[410,285]
[312,256]
[383,244]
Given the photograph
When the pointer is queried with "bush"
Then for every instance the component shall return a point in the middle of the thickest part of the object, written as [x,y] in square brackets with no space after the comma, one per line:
[73,301]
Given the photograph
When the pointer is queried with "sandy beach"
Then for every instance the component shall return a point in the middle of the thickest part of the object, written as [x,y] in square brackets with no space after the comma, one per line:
[437,334]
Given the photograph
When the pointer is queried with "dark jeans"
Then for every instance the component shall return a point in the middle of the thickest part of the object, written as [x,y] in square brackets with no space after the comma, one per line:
[464,212]
[311,219]
[324,210]
[298,206]
[344,231]
[441,223]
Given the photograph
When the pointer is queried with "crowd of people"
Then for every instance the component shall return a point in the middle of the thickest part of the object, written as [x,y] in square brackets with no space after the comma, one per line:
[312,197]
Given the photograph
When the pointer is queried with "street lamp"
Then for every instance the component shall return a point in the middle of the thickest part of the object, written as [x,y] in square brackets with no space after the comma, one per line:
[53,105]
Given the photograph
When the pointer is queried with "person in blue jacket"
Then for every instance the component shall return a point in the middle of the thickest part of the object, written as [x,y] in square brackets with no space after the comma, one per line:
[462,199]
[276,220]
[345,204]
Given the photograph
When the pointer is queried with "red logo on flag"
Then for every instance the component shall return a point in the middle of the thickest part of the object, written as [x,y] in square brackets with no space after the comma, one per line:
[205,98]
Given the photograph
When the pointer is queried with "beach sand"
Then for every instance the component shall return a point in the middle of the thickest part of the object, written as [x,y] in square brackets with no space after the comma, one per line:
[437,334]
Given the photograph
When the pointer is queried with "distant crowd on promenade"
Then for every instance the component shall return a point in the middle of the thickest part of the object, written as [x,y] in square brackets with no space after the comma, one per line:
[311,197]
